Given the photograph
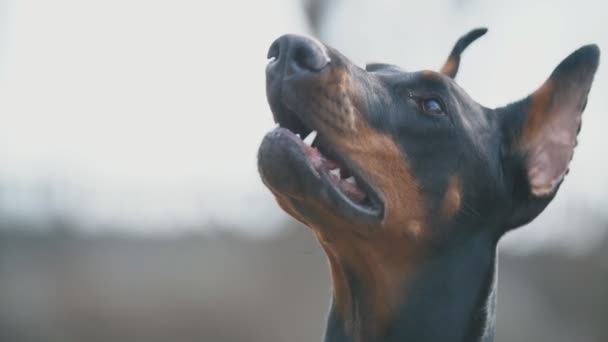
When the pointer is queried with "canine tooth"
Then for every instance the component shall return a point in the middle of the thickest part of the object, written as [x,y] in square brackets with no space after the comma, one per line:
[298,135]
[351,180]
[310,138]
[335,172]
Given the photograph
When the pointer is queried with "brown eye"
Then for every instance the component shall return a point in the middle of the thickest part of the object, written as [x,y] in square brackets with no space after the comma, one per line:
[431,106]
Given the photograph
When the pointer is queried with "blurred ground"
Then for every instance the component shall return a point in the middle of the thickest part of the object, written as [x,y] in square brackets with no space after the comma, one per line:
[63,286]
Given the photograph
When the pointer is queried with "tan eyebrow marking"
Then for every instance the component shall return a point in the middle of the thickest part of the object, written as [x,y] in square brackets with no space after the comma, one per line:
[451,198]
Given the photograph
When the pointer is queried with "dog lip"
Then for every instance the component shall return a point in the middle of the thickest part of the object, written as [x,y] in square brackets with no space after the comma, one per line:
[318,159]
[375,205]
[289,117]
[283,165]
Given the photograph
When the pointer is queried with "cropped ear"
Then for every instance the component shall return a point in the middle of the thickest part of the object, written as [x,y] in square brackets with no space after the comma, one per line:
[541,132]
[451,65]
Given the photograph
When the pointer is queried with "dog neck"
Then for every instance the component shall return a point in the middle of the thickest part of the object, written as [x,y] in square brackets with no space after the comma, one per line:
[451,297]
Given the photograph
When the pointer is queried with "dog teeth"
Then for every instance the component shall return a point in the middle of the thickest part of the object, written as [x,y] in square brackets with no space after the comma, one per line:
[335,172]
[298,135]
[351,180]
[310,138]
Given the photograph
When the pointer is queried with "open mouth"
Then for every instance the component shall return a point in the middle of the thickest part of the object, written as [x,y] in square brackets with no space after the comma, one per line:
[345,185]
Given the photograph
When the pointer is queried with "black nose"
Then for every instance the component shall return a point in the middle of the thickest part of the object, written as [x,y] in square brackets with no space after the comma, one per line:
[298,53]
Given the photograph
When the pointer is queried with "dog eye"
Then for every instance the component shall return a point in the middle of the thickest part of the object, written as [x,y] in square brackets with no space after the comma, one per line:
[431,106]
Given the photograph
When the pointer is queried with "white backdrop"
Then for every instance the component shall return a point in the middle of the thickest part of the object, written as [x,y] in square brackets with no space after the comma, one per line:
[142,114]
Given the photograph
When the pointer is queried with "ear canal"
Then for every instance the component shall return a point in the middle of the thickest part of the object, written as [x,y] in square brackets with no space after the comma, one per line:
[451,65]
[551,120]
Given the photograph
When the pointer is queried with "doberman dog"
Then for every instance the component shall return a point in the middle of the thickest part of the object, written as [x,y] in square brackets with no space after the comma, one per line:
[408,184]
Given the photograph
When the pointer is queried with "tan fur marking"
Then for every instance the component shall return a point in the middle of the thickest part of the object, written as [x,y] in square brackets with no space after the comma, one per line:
[415,229]
[430,74]
[537,112]
[449,66]
[381,257]
[451,199]
[382,264]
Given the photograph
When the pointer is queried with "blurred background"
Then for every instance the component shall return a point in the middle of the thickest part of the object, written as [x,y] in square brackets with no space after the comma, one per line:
[130,205]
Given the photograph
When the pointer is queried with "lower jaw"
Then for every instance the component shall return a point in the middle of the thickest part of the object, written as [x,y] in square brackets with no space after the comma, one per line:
[291,167]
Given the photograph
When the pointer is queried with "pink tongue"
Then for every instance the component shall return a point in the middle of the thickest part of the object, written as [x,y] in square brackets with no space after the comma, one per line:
[349,189]
[317,160]
[320,163]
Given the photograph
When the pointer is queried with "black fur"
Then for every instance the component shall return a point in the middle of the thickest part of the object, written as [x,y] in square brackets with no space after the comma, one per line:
[450,296]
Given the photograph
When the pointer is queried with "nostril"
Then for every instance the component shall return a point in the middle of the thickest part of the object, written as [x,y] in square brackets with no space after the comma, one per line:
[274,51]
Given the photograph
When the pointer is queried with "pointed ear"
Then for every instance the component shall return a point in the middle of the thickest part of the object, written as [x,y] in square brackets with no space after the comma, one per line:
[451,65]
[541,131]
